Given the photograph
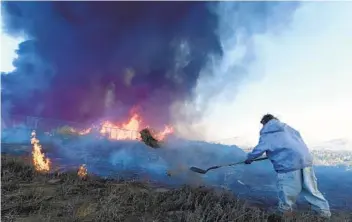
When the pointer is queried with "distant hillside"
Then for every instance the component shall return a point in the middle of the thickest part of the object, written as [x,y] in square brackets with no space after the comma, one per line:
[334,145]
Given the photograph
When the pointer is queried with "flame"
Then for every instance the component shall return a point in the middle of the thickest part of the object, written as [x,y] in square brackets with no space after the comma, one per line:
[161,135]
[71,130]
[81,132]
[85,131]
[41,163]
[128,130]
[82,171]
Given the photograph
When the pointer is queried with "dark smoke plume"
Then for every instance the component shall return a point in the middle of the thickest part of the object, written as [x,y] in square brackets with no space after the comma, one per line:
[85,60]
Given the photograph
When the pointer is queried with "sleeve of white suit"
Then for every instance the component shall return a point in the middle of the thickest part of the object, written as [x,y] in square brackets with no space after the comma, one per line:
[258,150]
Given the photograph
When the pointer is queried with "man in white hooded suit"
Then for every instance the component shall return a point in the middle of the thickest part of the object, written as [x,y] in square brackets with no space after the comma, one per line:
[293,162]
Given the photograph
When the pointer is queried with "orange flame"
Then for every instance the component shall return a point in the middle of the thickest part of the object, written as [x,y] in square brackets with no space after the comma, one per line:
[161,135]
[41,163]
[128,130]
[125,131]
[82,171]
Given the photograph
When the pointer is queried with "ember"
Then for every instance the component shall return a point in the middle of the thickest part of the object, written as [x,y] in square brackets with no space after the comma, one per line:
[67,130]
[41,163]
[82,171]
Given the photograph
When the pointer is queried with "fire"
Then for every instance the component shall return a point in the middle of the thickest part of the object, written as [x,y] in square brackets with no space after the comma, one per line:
[80,132]
[41,163]
[125,131]
[161,135]
[128,130]
[85,131]
[82,171]
[71,130]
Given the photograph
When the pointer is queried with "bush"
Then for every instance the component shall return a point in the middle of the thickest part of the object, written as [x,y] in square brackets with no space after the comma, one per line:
[148,139]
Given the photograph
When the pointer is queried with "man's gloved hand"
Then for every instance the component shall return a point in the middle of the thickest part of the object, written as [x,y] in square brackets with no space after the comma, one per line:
[248,161]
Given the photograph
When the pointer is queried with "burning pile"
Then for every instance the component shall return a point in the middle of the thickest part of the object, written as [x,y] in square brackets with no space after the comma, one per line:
[41,163]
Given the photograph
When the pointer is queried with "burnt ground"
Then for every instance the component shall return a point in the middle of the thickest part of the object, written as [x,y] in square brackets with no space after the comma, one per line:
[27,195]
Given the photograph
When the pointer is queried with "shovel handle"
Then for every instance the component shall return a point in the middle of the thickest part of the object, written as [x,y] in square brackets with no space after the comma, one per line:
[259,159]
[198,170]
[262,158]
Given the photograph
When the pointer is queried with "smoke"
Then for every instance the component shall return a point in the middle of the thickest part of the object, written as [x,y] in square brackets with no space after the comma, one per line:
[293,63]
[150,52]
[222,77]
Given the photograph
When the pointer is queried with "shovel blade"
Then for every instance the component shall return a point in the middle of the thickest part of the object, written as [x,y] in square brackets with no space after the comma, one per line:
[198,170]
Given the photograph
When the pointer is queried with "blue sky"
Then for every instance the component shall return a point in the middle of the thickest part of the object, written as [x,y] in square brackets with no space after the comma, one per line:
[301,71]
[8,46]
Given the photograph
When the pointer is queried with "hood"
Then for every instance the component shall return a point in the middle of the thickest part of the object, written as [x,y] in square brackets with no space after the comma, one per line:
[272,126]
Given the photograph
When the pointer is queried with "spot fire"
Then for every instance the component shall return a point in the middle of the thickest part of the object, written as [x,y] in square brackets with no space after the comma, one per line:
[41,163]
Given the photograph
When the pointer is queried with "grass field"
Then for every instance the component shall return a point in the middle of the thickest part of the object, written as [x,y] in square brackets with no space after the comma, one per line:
[27,195]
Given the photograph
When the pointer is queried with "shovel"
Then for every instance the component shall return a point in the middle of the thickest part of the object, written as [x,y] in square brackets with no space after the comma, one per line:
[201,171]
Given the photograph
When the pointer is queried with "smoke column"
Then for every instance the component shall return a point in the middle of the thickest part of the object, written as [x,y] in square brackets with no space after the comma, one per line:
[84,60]
[223,78]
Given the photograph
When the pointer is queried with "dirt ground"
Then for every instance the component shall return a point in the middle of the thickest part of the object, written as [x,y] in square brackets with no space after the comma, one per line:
[27,195]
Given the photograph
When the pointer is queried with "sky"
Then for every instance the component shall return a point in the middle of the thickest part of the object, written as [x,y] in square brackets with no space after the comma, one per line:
[7,48]
[300,71]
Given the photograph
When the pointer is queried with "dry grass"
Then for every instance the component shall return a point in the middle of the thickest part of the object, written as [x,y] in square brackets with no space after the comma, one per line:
[30,196]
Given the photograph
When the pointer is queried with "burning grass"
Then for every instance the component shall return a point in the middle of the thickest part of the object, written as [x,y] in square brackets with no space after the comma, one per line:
[128,130]
[28,195]
[41,163]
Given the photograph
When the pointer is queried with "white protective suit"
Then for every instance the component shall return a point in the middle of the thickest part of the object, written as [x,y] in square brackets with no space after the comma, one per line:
[292,161]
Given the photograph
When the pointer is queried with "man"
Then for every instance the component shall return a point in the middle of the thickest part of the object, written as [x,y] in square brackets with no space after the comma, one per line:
[292,161]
